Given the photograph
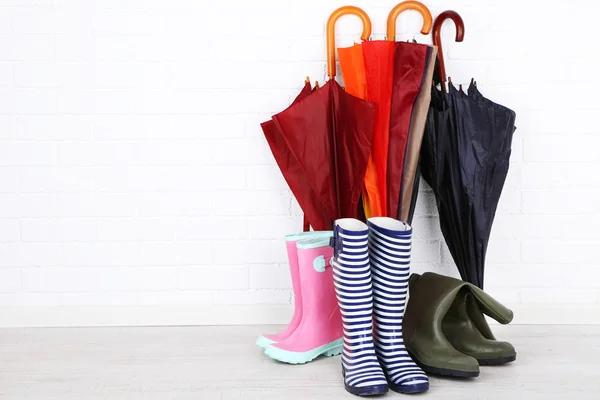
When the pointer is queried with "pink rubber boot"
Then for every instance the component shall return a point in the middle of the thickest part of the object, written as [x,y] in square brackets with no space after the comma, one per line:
[320,330]
[290,242]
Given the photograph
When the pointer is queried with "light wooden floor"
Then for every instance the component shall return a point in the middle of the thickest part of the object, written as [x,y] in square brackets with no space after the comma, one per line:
[222,363]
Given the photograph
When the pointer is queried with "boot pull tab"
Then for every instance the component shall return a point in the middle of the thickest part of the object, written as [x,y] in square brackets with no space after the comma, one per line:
[336,242]
[320,263]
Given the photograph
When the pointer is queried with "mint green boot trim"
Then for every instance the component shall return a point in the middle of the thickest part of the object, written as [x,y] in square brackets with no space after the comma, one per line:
[263,342]
[308,235]
[294,357]
[313,243]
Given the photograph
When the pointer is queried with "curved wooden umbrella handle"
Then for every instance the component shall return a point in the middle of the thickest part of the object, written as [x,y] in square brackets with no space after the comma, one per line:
[437,38]
[346,10]
[408,5]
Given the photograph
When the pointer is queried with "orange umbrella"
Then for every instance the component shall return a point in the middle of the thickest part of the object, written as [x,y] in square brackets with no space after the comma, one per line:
[353,70]
[368,73]
[352,63]
[354,78]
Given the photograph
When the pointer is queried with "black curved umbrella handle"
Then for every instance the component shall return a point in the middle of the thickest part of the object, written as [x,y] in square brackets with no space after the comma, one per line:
[437,38]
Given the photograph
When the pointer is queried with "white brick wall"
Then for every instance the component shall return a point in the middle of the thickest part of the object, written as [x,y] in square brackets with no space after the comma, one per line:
[133,171]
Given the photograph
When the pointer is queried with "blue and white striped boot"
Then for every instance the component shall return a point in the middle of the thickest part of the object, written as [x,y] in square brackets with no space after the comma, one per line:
[363,375]
[389,253]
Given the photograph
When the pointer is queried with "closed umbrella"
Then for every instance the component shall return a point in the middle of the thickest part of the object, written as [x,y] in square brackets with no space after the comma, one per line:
[368,73]
[409,196]
[379,72]
[293,174]
[465,159]
[329,134]
[410,173]
[413,71]
[390,75]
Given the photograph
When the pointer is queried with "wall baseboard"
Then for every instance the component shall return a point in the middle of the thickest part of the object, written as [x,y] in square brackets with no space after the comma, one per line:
[539,314]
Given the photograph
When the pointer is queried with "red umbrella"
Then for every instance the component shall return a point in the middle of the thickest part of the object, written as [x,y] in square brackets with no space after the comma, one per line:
[329,134]
[379,68]
[294,176]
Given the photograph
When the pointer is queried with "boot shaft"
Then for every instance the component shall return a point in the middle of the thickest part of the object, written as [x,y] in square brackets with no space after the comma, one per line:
[316,274]
[292,252]
[389,251]
[352,276]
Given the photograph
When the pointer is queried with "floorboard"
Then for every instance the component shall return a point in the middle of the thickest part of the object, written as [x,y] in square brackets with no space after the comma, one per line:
[222,363]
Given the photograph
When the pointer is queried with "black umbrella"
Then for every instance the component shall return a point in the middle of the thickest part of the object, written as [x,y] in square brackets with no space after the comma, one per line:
[465,158]
[439,69]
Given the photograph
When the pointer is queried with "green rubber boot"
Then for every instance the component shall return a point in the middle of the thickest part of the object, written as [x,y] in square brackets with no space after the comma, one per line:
[467,330]
[431,297]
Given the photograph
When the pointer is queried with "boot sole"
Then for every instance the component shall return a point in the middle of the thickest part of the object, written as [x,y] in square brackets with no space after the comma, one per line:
[367,391]
[455,373]
[376,390]
[295,357]
[263,342]
[406,389]
[497,361]
[409,389]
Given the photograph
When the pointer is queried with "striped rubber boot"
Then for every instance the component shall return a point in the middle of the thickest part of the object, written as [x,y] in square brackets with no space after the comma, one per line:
[352,277]
[389,253]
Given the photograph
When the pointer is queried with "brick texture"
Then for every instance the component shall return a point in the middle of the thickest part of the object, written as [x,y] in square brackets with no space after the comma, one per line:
[133,170]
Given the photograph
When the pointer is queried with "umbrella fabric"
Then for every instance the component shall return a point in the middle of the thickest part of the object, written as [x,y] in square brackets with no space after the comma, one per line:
[410,173]
[352,64]
[415,190]
[394,74]
[409,69]
[329,133]
[314,213]
[374,83]
[465,159]
[379,70]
